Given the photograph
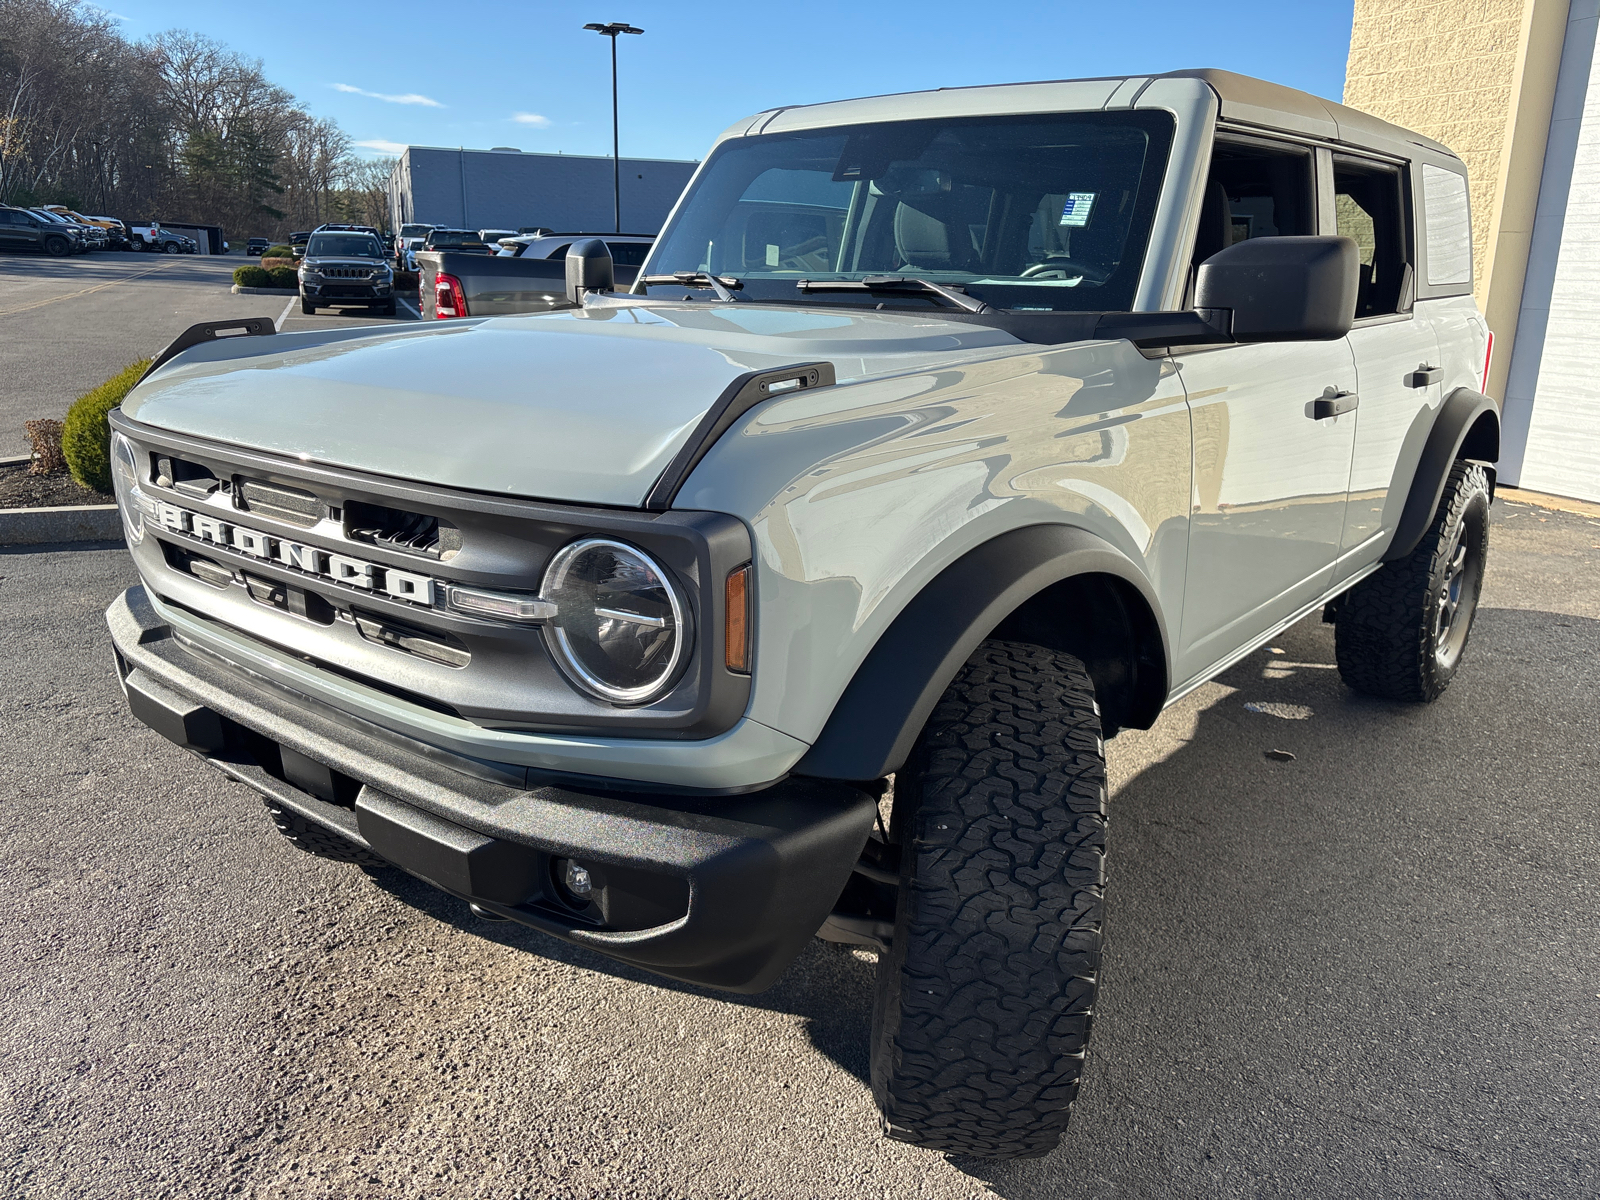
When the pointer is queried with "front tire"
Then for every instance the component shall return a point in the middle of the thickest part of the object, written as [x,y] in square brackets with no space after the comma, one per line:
[986,995]
[1400,633]
[57,247]
[308,308]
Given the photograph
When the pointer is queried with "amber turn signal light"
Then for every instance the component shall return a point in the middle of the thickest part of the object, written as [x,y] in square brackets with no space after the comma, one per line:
[736,630]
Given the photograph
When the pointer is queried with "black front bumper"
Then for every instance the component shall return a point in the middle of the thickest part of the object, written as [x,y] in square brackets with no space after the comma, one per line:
[717,891]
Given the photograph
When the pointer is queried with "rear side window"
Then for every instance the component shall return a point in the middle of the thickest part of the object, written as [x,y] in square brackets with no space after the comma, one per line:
[1449,226]
[1370,207]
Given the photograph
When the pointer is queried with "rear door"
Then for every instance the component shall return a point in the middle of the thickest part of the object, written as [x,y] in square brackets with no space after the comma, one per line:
[1397,361]
[1270,479]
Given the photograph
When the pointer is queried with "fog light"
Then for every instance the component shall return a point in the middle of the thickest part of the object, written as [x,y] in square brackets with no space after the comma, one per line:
[576,877]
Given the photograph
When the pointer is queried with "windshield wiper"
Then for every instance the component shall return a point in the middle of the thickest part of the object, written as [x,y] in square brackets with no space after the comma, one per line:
[895,283]
[723,285]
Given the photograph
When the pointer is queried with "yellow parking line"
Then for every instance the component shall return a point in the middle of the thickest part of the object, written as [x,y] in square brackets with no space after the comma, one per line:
[11,312]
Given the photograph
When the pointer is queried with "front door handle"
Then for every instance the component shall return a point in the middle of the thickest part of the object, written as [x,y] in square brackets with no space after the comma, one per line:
[1423,376]
[1333,404]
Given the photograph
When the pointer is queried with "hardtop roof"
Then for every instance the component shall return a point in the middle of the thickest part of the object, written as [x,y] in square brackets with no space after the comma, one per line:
[1242,99]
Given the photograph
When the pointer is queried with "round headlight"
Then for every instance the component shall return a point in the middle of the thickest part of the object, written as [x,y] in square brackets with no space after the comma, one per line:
[620,629]
[131,499]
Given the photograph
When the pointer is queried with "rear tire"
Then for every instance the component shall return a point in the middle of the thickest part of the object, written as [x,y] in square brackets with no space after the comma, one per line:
[1401,632]
[314,839]
[986,996]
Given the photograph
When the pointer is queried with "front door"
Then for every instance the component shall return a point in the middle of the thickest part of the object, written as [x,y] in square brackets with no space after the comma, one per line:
[1270,476]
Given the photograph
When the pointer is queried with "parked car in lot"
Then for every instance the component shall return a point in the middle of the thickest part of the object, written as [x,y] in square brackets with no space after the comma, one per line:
[110,228]
[84,237]
[256,247]
[942,436]
[299,237]
[148,235]
[341,268]
[462,241]
[408,233]
[491,237]
[456,284]
[453,283]
[23,229]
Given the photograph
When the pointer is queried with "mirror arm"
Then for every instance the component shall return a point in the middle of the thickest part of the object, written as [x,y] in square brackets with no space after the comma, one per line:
[1146,330]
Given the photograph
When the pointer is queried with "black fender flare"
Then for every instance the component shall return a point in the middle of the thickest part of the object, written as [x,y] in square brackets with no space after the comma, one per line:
[888,701]
[1468,426]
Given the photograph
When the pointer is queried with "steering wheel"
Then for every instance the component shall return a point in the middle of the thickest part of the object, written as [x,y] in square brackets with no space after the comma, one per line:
[1061,268]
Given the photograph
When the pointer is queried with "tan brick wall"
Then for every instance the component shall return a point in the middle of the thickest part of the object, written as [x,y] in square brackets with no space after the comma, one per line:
[1445,68]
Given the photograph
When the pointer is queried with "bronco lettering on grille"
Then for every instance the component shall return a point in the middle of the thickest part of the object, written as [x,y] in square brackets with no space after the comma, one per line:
[338,568]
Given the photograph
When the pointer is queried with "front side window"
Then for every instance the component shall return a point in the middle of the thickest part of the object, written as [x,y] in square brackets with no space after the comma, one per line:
[344,245]
[1048,212]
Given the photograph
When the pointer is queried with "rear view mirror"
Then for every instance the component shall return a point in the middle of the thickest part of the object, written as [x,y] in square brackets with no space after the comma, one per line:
[1280,289]
[589,269]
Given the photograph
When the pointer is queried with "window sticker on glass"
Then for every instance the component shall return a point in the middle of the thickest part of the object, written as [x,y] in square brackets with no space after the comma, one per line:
[1076,211]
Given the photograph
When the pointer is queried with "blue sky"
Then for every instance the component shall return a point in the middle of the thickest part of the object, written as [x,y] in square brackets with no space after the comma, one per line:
[528,75]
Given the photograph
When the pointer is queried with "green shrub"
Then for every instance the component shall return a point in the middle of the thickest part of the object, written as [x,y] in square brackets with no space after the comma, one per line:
[284,277]
[251,276]
[86,436]
[277,252]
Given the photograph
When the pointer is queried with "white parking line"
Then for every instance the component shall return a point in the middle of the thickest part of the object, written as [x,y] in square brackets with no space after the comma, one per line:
[408,308]
[284,315]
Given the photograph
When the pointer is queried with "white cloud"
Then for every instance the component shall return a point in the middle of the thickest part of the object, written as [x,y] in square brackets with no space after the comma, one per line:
[533,119]
[408,98]
[383,147]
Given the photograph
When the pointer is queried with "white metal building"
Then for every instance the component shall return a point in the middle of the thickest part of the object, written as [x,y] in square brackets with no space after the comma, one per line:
[1552,395]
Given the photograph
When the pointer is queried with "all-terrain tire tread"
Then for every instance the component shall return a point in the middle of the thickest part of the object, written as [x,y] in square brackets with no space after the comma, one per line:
[985,1013]
[1383,635]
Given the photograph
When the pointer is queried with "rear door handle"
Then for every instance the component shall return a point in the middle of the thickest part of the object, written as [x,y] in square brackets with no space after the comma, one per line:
[1423,376]
[1333,403]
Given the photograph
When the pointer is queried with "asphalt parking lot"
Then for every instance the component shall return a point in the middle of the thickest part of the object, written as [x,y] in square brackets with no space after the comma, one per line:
[68,324]
[1371,971]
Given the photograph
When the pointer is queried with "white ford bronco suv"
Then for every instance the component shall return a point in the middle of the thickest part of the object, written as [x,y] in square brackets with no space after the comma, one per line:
[794,592]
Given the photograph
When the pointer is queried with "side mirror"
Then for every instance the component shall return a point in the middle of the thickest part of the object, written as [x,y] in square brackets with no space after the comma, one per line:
[1280,289]
[297,251]
[589,269]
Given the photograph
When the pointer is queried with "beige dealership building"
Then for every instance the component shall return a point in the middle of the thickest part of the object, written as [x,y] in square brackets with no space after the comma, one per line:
[1514,88]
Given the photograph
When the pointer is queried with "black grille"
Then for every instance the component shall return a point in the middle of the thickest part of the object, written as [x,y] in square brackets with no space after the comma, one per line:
[409,532]
[281,503]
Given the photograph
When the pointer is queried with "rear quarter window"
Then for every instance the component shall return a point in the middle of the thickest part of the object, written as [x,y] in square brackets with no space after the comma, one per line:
[1449,226]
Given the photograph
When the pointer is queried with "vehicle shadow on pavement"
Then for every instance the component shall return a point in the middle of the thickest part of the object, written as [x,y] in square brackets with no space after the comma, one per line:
[1310,963]
[829,988]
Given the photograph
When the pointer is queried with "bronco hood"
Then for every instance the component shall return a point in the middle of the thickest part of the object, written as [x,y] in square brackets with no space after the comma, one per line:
[585,406]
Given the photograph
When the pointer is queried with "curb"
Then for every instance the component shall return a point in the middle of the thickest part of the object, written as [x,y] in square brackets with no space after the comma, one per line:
[58,523]
[1539,500]
[244,291]
[66,523]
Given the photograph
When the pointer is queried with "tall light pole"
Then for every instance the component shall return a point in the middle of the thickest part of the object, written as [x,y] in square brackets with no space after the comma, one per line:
[611,32]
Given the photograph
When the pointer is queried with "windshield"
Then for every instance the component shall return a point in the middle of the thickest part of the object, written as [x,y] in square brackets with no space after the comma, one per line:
[344,245]
[441,239]
[414,230]
[1047,212]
